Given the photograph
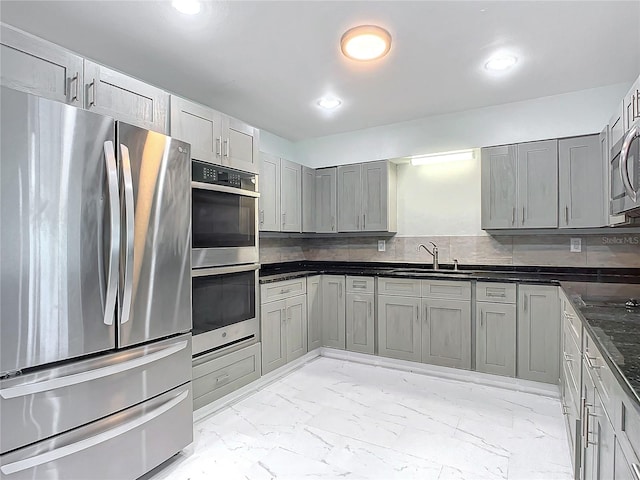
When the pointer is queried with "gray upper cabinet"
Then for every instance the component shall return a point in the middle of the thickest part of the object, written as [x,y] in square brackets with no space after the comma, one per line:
[349,198]
[399,327]
[240,145]
[631,105]
[446,332]
[125,98]
[498,177]
[290,196]
[538,184]
[367,197]
[360,322]
[296,327]
[582,183]
[308,199]
[333,311]
[35,66]
[314,312]
[273,335]
[269,201]
[199,126]
[538,328]
[496,338]
[326,200]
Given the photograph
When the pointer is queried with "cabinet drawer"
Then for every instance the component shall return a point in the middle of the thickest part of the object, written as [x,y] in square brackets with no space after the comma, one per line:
[602,376]
[496,292]
[270,292]
[571,358]
[360,284]
[405,287]
[446,289]
[213,379]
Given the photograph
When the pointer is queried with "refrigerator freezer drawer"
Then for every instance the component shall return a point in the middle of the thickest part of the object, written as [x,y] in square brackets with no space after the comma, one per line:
[123,446]
[49,402]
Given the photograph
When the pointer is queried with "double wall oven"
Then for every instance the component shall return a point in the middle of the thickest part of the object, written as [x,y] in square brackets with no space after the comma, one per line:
[224,257]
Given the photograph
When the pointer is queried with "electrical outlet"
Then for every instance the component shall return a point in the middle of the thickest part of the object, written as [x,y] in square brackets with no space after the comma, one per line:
[382,245]
[576,245]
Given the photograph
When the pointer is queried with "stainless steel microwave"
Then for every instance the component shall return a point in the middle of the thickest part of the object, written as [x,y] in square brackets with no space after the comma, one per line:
[625,173]
[224,216]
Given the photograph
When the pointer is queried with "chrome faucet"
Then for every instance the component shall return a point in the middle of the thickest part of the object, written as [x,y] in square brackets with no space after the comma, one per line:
[433,252]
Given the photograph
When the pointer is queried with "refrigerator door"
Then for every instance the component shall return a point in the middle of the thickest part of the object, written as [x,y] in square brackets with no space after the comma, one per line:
[59,229]
[155,269]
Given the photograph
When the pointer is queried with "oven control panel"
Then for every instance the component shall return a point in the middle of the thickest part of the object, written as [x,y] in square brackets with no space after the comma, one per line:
[207,173]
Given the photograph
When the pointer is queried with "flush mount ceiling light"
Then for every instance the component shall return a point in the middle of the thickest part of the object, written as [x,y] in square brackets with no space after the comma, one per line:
[455,156]
[366,42]
[329,103]
[188,7]
[500,63]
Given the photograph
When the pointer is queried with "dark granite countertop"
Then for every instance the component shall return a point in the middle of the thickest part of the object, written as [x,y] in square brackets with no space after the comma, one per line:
[614,328]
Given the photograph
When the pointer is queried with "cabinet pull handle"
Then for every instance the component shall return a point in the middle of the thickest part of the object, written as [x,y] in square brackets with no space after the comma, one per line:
[589,361]
[513,216]
[222,378]
[481,318]
[261,217]
[92,89]
[637,114]
[284,218]
[340,291]
[76,79]
[522,215]
[364,221]
[566,214]
[564,409]
[226,147]
[526,302]
[357,222]
[333,223]
[218,146]
[417,312]
[635,468]
[284,315]
[370,304]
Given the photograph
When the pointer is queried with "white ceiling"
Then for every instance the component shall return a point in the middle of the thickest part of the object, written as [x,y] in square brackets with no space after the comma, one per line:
[268,62]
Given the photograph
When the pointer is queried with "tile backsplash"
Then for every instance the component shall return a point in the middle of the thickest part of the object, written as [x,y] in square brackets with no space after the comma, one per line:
[545,250]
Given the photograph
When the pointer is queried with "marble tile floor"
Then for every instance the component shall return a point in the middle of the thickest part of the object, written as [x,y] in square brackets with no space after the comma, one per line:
[334,419]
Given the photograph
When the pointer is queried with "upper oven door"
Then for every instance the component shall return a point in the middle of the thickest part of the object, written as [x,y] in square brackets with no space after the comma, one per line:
[224,225]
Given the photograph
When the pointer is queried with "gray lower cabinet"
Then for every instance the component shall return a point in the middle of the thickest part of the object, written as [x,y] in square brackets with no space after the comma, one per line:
[446,332]
[623,466]
[602,440]
[538,328]
[333,311]
[35,66]
[360,313]
[296,327]
[326,200]
[314,312]
[273,335]
[215,376]
[496,338]
[125,98]
[399,327]
[308,199]
[582,183]
[269,201]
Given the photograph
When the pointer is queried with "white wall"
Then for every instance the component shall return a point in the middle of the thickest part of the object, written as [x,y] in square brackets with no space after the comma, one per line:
[439,199]
[575,113]
[278,146]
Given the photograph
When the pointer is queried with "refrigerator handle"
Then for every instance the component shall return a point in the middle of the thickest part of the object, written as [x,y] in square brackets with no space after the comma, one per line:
[114,221]
[127,269]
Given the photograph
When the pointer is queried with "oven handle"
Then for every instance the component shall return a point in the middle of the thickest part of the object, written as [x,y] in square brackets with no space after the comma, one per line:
[624,159]
[222,188]
[203,272]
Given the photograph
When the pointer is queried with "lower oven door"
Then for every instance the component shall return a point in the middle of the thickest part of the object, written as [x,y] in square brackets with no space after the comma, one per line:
[225,306]
[224,225]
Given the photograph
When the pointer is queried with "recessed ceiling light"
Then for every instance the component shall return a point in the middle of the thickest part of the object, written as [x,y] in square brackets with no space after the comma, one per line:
[188,7]
[366,42]
[500,63]
[329,103]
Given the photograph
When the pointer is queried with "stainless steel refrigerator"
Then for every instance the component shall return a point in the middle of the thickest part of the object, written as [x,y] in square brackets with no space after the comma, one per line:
[95,293]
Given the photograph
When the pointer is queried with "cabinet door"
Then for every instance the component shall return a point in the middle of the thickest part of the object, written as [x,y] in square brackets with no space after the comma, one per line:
[360,323]
[296,320]
[35,66]
[582,184]
[617,126]
[446,332]
[538,333]
[601,437]
[273,335]
[631,105]
[375,196]
[314,312]
[498,181]
[496,338]
[588,445]
[290,196]
[537,185]
[240,143]
[269,201]
[349,198]
[624,468]
[199,126]
[326,197]
[308,199]
[125,98]
[399,327]
[333,311]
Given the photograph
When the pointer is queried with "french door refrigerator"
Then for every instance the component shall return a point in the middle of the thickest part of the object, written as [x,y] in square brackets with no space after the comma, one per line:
[95,293]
